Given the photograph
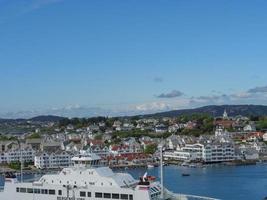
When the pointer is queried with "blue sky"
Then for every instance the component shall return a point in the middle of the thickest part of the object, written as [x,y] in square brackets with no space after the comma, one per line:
[73,57]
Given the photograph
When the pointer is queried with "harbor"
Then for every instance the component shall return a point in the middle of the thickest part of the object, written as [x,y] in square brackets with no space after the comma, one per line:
[217,181]
[85,178]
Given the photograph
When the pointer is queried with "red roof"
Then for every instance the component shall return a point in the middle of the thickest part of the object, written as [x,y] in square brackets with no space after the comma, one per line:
[129,156]
[119,147]
[96,142]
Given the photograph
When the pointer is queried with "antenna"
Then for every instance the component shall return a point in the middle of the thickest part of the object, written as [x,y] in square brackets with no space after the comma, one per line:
[161,172]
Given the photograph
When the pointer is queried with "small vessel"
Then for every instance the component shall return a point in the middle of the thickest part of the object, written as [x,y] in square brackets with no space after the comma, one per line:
[150,166]
[192,165]
[185,164]
[165,164]
[185,174]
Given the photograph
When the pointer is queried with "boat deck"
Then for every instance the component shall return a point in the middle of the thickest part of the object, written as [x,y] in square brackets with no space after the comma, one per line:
[173,196]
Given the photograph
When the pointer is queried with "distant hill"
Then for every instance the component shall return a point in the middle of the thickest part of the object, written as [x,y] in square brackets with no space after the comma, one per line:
[214,110]
[11,120]
[41,118]
[46,118]
[232,110]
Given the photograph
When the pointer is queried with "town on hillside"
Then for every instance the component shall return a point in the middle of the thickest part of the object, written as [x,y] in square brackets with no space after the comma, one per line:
[189,140]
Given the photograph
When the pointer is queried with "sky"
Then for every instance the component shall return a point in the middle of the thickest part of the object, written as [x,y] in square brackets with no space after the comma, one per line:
[123,57]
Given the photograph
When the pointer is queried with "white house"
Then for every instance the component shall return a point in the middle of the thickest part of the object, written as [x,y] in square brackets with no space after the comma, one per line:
[218,152]
[58,159]
[210,152]
[161,128]
[249,128]
[221,132]
[15,155]
[264,137]
[179,155]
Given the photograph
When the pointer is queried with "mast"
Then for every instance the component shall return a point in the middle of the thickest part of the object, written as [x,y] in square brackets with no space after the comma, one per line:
[21,164]
[161,172]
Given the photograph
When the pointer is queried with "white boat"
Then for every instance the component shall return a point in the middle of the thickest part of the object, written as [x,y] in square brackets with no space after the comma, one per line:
[150,166]
[86,180]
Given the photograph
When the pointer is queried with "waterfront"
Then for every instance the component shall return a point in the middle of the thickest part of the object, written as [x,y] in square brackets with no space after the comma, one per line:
[223,182]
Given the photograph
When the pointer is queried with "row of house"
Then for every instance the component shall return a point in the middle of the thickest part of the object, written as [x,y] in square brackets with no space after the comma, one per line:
[208,153]
[15,155]
[223,146]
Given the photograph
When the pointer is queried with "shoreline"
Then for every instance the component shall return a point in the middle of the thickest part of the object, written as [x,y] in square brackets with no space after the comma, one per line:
[126,167]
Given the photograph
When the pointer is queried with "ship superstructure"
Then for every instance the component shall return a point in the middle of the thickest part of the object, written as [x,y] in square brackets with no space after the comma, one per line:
[86,179]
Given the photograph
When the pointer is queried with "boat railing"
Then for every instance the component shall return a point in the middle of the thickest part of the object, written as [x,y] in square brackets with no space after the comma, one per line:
[174,196]
[37,183]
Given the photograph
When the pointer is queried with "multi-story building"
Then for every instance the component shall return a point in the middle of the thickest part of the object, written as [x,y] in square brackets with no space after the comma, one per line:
[218,152]
[208,153]
[190,152]
[179,155]
[58,159]
[16,155]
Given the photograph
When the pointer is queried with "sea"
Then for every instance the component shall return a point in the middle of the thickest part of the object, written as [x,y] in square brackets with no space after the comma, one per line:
[222,182]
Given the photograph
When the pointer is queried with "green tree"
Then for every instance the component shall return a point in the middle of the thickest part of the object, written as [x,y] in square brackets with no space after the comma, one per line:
[151,149]
[34,136]
[99,137]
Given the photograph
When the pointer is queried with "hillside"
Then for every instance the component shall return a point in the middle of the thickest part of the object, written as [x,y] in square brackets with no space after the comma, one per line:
[232,110]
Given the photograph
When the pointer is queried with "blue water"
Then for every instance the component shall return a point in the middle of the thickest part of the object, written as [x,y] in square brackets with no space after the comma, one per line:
[225,182]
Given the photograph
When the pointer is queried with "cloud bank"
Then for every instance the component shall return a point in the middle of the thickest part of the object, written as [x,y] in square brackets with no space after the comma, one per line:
[166,101]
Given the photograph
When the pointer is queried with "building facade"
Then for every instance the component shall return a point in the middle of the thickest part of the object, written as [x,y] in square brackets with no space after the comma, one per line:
[58,159]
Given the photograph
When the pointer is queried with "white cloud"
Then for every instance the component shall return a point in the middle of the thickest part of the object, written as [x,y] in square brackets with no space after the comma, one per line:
[154,106]
[241,95]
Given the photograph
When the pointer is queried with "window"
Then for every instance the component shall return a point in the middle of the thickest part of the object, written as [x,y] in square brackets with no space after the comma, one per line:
[52,192]
[89,194]
[23,190]
[43,191]
[124,196]
[36,191]
[82,194]
[60,192]
[17,189]
[107,195]
[115,196]
[29,190]
[98,195]
[131,197]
